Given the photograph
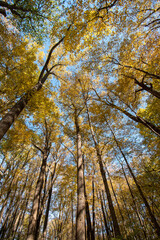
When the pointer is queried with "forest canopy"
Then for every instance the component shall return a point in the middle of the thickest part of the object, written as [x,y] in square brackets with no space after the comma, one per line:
[79,128]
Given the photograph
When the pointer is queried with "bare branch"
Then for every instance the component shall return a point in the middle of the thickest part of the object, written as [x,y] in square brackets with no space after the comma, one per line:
[38,148]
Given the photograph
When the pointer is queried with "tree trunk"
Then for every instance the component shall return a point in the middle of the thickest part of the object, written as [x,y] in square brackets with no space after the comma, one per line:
[23,213]
[100,161]
[36,202]
[48,204]
[8,212]
[21,218]
[72,216]
[14,219]
[89,226]
[8,194]
[116,199]
[104,218]
[12,115]
[80,221]
[108,218]
[93,208]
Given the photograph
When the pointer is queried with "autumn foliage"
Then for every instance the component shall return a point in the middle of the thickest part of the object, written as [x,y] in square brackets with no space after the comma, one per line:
[79,128]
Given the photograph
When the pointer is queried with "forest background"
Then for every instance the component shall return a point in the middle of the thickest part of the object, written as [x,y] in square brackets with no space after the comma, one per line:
[79,129]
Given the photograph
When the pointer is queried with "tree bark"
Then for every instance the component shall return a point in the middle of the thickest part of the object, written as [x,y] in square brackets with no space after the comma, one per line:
[80,220]
[12,115]
[9,192]
[14,219]
[72,216]
[93,208]
[21,218]
[116,200]
[90,235]
[89,226]
[48,204]
[36,202]
[104,218]
[100,161]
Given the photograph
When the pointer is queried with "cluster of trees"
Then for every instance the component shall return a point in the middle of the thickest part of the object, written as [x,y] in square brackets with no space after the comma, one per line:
[79,122]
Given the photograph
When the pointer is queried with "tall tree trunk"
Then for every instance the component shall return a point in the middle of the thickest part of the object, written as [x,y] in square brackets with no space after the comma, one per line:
[8,193]
[8,215]
[36,202]
[88,218]
[100,161]
[104,217]
[21,218]
[9,211]
[24,212]
[48,204]
[93,208]
[12,219]
[16,224]
[116,199]
[89,226]
[41,205]
[109,198]
[72,216]
[108,217]
[12,115]
[37,208]
[16,214]
[80,221]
